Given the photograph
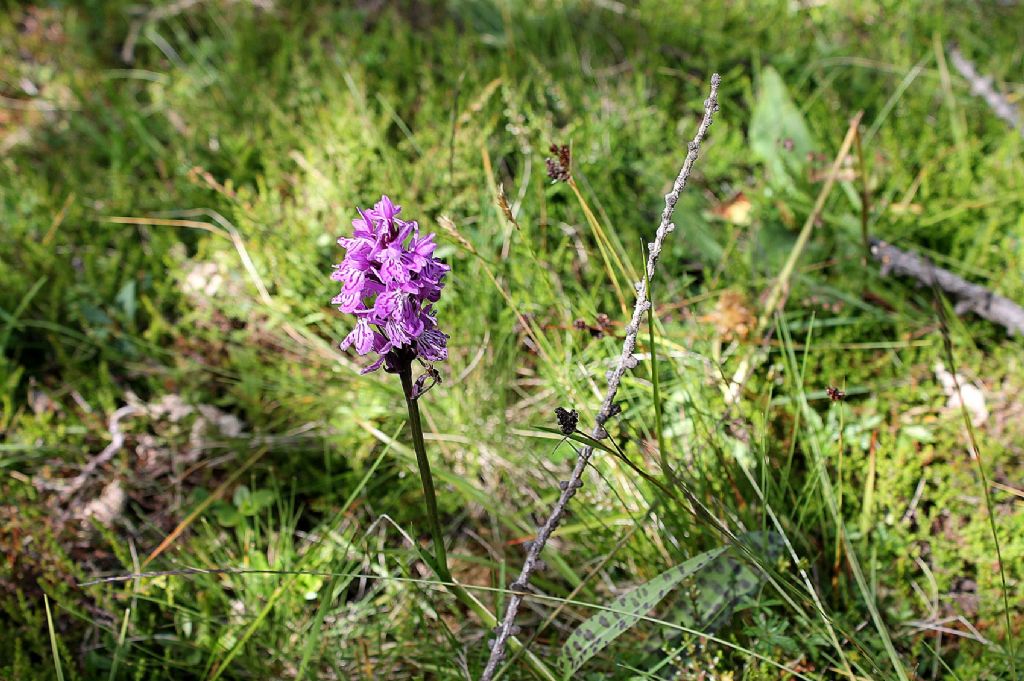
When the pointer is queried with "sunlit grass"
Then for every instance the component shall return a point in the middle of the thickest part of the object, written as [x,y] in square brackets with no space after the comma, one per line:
[169,227]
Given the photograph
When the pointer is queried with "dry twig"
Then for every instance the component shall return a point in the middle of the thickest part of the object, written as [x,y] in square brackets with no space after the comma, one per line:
[626,362]
[982,87]
[116,443]
[969,297]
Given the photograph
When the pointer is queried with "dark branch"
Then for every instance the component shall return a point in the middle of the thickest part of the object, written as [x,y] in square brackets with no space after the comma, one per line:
[969,297]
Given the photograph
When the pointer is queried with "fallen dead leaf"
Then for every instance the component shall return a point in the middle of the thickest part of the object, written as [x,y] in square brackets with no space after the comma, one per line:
[736,210]
[971,395]
[107,507]
[732,317]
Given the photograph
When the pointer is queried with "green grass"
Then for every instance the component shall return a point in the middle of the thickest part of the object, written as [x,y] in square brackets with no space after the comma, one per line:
[169,226]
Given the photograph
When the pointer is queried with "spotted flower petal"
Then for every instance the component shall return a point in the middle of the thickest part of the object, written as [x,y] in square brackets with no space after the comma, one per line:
[362,337]
[390,279]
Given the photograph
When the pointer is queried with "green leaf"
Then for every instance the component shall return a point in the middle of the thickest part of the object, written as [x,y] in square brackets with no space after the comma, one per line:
[581,438]
[919,433]
[719,582]
[593,635]
[778,133]
[227,515]
[94,315]
[126,297]
[261,499]
[722,587]
[241,496]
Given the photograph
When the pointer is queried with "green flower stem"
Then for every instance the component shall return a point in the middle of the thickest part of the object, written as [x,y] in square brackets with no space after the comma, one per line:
[441,557]
[439,563]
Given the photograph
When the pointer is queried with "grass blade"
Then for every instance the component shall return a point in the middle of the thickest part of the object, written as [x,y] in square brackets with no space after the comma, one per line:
[120,645]
[659,420]
[53,640]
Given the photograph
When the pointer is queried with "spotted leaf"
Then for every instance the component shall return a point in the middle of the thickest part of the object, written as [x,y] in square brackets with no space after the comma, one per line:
[708,601]
[596,633]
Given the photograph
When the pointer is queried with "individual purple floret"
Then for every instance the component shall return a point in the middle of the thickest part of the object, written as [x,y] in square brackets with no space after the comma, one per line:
[389,281]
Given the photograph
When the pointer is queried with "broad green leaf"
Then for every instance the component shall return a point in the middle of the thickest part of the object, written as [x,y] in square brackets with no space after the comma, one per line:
[596,633]
[715,584]
[778,133]
[721,588]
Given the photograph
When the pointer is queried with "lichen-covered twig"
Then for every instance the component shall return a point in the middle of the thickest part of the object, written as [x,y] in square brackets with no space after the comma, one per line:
[608,409]
[969,297]
[982,87]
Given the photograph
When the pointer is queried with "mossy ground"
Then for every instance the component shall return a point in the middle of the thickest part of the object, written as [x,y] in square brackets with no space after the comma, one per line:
[169,225]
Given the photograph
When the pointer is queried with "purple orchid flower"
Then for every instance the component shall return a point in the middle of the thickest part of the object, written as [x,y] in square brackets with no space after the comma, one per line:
[389,281]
